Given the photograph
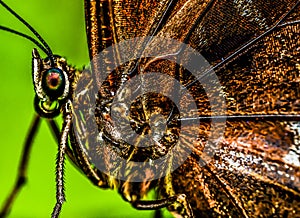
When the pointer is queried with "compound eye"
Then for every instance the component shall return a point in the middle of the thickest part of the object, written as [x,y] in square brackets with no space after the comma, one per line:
[54,83]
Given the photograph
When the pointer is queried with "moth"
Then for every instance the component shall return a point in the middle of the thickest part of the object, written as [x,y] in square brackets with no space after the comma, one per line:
[252,169]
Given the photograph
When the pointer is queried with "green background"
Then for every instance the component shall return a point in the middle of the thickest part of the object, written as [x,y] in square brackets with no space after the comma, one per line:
[61,24]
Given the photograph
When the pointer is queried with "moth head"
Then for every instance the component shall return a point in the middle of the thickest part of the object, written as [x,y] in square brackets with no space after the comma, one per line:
[51,84]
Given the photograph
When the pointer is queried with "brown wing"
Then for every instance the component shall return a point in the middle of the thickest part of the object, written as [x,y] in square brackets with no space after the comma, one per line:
[109,22]
[254,49]
[256,171]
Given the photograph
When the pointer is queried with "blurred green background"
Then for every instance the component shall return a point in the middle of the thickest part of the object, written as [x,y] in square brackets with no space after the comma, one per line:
[61,24]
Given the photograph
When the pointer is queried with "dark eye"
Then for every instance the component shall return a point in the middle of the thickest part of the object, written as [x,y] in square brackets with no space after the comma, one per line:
[53,83]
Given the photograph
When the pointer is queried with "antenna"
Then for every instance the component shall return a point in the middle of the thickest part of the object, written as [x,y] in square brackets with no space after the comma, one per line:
[25,36]
[43,45]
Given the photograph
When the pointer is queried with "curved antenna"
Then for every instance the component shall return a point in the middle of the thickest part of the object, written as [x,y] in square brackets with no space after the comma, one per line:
[26,37]
[49,51]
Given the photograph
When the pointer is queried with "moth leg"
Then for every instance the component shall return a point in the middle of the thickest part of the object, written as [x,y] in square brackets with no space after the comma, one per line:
[22,170]
[56,132]
[160,203]
[158,214]
[78,157]
[60,194]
